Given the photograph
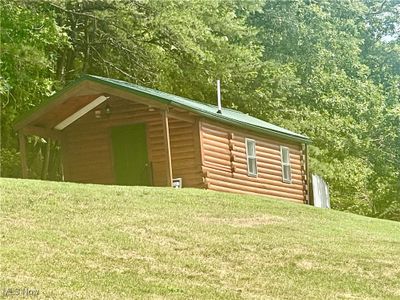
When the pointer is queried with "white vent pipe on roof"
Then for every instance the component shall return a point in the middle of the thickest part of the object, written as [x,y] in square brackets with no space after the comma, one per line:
[219,97]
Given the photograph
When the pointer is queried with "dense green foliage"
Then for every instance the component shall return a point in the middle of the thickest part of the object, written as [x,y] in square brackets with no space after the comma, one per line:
[328,69]
[84,241]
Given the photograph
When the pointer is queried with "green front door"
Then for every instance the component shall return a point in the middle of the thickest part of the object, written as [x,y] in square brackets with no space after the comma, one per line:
[131,165]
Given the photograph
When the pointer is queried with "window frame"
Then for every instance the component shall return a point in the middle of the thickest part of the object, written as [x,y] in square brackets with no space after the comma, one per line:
[249,157]
[286,164]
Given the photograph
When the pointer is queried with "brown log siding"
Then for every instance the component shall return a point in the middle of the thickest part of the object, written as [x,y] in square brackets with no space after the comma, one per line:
[225,163]
[185,157]
[87,148]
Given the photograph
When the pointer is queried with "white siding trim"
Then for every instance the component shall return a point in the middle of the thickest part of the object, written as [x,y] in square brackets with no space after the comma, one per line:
[75,116]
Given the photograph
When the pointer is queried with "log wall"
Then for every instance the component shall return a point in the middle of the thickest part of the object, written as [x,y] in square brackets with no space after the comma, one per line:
[185,150]
[87,148]
[204,153]
[225,163]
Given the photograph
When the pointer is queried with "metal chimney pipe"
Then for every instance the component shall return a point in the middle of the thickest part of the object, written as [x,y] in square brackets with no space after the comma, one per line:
[219,97]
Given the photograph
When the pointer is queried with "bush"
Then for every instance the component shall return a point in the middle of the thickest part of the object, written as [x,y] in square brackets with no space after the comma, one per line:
[9,163]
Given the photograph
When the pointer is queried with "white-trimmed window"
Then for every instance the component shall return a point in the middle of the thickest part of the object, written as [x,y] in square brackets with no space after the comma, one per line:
[251,157]
[285,161]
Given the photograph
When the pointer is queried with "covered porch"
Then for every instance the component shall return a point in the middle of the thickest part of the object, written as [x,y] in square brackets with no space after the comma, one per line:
[109,135]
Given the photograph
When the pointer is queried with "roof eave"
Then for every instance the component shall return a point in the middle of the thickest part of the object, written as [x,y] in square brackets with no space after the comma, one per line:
[26,118]
[304,139]
[220,118]
[206,114]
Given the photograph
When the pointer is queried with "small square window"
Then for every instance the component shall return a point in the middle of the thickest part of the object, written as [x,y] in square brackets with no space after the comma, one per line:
[251,157]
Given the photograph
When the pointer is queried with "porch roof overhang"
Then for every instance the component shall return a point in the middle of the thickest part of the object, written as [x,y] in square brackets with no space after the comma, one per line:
[83,91]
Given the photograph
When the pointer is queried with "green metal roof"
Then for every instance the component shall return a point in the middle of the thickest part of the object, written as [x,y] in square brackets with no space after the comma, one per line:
[228,116]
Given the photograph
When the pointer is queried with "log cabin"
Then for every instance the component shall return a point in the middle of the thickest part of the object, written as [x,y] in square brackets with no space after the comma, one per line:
[115,132]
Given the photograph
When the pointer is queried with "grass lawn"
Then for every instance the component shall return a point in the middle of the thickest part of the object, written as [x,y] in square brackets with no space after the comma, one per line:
[71,241]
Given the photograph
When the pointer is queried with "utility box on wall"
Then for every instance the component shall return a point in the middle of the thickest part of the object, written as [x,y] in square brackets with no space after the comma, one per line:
[177,183]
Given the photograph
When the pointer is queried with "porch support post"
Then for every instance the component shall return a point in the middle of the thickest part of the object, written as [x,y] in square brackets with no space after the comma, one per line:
[23,155]
[45,166]
[167,144]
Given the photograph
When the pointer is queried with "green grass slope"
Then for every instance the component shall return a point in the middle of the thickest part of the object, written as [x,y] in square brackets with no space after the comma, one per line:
[71,241]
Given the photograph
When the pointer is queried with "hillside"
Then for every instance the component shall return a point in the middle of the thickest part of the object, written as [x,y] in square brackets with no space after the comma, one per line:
[70,241]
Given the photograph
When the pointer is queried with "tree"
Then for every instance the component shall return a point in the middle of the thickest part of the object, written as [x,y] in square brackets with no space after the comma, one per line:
[29,38]
[336,96]
[329,69]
